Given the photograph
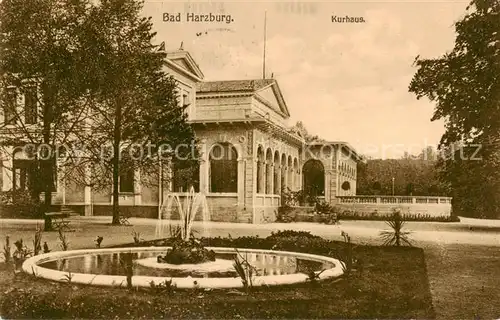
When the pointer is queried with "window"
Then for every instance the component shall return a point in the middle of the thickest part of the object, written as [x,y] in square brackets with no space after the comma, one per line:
[29,174]
[9,110]
[30,105]
[127,181]
[185,100]
[223,168]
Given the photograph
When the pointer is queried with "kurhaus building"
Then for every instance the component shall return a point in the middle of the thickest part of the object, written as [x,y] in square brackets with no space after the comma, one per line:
[249,155]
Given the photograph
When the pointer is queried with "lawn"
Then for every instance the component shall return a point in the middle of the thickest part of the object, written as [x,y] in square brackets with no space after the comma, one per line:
[388,282]
[464,281]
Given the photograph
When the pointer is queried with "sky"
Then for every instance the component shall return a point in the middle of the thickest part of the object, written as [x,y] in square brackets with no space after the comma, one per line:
[344,81]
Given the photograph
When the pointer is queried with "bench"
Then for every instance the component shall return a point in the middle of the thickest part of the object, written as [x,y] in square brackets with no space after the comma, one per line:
[58,220]
[124,220]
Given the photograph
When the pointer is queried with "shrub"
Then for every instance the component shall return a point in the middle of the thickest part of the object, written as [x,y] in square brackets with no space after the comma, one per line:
[37,242]
[297,198]
[166,286]
[347,255]
[375,216]
[6,250]
[19,204]
[245,271]
[190,252]
[21,254]
[63,241]
[396,236]
[98,241]
[291,233]
[284,215]
[128,265]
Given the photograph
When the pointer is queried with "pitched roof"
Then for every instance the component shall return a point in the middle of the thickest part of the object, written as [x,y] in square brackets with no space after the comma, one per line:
[234,85]
[183,60]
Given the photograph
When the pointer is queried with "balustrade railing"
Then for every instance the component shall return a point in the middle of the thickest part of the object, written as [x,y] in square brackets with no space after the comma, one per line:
[393,200]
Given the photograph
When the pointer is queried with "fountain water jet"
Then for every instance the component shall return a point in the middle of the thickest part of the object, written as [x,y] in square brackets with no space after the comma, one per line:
[194,203]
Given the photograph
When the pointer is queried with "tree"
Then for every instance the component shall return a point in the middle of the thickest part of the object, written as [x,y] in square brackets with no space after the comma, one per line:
[301,130]
[135,110]
[39,58]
[412,176]
[465,85]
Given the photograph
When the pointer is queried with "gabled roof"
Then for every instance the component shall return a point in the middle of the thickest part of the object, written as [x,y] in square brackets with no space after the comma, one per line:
[182,61]
[234,85]
[247,86]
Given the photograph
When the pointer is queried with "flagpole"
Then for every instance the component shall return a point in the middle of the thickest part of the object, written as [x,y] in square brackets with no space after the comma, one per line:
[264,55]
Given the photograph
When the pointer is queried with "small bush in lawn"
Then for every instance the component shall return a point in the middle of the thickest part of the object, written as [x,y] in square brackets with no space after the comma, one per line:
[63,241]
[347,255]
[128,265]
[166,286]
[6,250]
[396,236]
[313,276]
[137,237]
[98,241]
[21,254]
[37,242]
[245,271]
[45,248]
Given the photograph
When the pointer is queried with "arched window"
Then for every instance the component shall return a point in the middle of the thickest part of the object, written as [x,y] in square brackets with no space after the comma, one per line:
[126,180]
[29,172]
[314,177]
[223,168]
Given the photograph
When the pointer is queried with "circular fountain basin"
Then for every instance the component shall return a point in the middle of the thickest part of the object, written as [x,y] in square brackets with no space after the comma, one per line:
[103,267]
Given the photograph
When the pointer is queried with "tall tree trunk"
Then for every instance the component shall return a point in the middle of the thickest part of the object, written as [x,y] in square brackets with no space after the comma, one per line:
[46,162]
[116,163]
[47,182]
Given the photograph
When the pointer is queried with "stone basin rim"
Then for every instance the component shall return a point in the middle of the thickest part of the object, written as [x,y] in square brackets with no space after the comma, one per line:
[31,266]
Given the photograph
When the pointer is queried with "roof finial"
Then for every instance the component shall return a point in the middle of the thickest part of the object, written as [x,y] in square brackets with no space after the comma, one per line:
[182,46]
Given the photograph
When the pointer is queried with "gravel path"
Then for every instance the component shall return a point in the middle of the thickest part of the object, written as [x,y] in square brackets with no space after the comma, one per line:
[462,258]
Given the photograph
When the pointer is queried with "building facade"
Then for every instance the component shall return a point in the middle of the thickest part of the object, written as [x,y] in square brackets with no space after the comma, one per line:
[249,155]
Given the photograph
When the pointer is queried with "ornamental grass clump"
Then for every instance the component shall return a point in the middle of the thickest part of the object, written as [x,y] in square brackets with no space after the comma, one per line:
[396,236]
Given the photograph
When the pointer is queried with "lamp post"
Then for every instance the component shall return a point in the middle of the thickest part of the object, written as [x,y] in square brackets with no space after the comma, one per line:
[393,186]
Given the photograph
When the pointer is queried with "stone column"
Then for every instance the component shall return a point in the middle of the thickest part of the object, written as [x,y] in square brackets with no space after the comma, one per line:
[299,180]
[241,183]
[328,175]
[204,179]
[284,173]
[271,180]
[261,188]
[278,179]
